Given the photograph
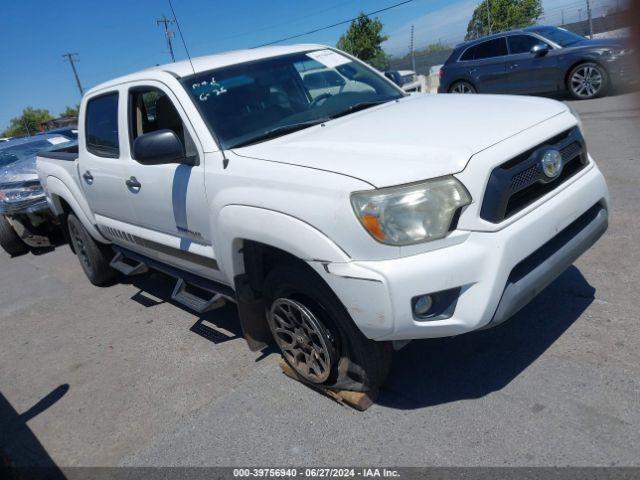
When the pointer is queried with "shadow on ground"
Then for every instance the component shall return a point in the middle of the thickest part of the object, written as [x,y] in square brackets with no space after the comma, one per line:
[19,447]
[217,326]
[437,371]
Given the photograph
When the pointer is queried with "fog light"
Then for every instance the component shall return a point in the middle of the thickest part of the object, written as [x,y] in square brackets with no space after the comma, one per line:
[422,305]
[435,305]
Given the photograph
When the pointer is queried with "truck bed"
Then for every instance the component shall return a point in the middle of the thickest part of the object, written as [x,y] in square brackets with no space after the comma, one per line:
[66,153]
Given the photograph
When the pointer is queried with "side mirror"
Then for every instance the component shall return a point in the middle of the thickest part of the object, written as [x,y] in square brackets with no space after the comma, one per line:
[158,148]
[540,50]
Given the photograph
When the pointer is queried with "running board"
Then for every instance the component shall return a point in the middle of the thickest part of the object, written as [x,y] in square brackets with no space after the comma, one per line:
[193,301]
[120,264]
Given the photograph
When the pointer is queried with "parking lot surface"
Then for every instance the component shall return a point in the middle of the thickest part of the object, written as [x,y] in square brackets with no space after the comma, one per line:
[121,376]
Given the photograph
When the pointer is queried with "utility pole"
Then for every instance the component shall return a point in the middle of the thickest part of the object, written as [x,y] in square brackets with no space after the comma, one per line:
[489,17]
[71,58]
[167,33]
[590,19]
[413,57]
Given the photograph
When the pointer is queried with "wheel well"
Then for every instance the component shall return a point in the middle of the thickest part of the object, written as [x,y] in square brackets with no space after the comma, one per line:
[62,218]
[579,62]
[260,259]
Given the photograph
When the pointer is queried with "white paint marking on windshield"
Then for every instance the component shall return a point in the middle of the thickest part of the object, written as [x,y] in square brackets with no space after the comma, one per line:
[205,89]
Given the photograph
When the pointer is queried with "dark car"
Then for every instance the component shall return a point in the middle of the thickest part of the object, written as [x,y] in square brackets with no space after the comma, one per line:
[69,132]
[538,60]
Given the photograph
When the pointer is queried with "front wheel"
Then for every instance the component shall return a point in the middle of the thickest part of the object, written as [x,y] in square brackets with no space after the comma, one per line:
[316,335]
[462,87]
[587,80]
[94,257]
[9,239]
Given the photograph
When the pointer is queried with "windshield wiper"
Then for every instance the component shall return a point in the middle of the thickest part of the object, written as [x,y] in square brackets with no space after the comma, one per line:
[359,106]
[279,131]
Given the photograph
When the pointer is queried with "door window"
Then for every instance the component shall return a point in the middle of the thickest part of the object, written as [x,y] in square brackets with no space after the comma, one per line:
[150,109]
[102,126]
[488,49]
[522,43]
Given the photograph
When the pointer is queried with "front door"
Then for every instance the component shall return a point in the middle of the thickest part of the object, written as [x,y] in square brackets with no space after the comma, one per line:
[169,200]
[528,72]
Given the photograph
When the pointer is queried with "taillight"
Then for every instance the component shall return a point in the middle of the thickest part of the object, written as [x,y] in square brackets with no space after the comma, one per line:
[441,73]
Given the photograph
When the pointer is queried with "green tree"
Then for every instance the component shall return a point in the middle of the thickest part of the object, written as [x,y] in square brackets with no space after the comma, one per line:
[363,39]
[27,123]
[70,111]
[503,15]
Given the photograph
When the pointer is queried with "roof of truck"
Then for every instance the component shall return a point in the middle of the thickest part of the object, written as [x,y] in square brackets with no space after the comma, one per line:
[209,62]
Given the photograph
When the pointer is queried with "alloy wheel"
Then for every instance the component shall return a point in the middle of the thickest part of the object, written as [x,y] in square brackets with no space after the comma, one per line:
[586,81]
[305,343]
[462,87]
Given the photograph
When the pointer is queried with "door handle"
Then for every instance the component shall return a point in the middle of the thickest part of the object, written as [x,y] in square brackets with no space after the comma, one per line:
[88,177]
[513,65]
[133,184]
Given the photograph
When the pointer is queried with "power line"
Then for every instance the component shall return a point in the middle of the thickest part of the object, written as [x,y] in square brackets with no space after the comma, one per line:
[71,58]
[275,25]
[184,44]
[334,25]
[167,33]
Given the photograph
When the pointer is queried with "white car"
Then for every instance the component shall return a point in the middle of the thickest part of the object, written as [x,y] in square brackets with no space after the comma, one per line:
[341,224]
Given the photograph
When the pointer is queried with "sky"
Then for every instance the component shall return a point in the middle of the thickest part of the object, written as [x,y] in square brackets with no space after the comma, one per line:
[115,37]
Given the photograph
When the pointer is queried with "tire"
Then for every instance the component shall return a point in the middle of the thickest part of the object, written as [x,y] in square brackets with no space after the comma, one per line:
[587,80]
[462,87]
[317,337]
[94,256]
[9,239]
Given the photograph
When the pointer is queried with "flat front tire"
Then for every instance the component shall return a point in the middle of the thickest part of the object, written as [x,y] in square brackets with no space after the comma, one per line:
[9,239]
[94,256]
[316,335]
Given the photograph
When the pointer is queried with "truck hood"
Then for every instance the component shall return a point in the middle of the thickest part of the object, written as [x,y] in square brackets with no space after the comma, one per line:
[415,138]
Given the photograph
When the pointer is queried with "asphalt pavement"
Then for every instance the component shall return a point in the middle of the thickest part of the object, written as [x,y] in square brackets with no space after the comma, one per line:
[121,376]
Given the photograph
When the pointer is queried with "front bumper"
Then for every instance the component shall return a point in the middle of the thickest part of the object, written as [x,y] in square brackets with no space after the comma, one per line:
[497,272]
[624,70]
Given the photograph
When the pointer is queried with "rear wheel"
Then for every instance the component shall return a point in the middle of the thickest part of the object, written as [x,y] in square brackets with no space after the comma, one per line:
[9,239]
[316,335]
[94,257]
[587,80]
[462,87]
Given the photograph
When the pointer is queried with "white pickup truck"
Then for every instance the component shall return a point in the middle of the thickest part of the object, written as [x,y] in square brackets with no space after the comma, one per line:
[342,222]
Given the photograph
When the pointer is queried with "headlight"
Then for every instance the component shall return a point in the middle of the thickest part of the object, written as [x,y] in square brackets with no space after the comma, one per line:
[18,197]
[410,214]
[622,51]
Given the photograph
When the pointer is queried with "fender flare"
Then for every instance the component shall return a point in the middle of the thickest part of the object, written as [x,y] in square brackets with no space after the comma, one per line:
[57,189]
[237,223]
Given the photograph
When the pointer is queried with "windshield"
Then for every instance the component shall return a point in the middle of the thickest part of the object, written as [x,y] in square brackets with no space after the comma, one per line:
[10,152]
[255,101]
[562,37]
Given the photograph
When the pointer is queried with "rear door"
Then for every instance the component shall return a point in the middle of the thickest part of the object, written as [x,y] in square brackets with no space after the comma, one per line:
[487,65]
[527,72]
[103,167]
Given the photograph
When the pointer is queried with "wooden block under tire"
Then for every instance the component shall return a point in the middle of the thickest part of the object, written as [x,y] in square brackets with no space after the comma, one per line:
[358,400]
